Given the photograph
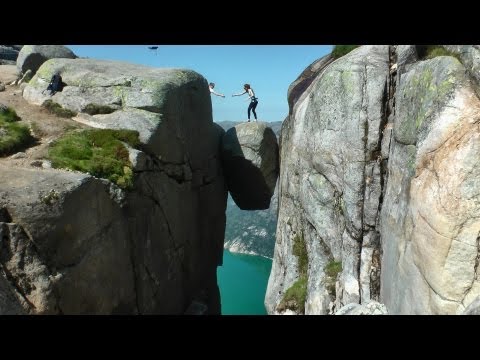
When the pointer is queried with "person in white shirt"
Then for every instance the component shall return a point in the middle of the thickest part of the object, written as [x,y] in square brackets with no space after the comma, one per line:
[211,86]
[253,100]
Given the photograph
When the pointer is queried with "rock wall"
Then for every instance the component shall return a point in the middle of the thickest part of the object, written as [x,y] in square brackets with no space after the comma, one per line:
[379,181]
[430,221]
[329,144]
[75,244]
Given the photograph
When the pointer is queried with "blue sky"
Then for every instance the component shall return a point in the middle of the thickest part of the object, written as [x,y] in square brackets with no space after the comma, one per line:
[269,69]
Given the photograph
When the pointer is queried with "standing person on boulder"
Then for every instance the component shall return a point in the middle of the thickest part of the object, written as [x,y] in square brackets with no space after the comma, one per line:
[211,86]
[253,100]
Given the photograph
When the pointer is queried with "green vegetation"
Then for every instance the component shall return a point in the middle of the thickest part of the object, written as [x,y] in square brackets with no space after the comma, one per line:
[99,152]
[332,269]
[58,110]
[93,109]
[339,205]
[13,136]
[427,92]
[300,251]
[9,115]
[426,52]
[341,50]
[295,297]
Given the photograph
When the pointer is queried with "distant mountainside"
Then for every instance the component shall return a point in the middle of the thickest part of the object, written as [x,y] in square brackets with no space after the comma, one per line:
[251,232]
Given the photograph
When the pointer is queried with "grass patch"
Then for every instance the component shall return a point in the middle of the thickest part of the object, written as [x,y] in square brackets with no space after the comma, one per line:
[99,152]
[332,270]
[93,109]
[426,52]
[300,251]
[8,115]
[341,50]
[58,110]
[70,127]
[13,136]
[295,297]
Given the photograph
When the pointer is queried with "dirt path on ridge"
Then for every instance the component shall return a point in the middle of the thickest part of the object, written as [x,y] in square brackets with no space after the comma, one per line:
[45,126]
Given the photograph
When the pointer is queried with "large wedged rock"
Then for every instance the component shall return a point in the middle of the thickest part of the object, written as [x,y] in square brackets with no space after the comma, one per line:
[31,57]
[251,232]
[250,163]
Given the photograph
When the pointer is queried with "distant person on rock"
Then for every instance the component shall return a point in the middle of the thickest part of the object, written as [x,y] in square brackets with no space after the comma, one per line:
[253,100]
[211,86]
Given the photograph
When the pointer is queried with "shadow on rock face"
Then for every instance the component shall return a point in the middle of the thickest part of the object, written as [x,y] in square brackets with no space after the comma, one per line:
[247,185]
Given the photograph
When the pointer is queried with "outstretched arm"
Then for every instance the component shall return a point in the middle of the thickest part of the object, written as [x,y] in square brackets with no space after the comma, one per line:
[215,93]
[239,94]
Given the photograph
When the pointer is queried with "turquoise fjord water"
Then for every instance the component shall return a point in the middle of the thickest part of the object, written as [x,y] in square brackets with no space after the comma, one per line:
[243,282]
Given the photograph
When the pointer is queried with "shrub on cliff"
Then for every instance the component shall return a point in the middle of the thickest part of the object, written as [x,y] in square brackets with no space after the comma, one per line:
[426,52]
[295,297]
[57,109]
[341,50]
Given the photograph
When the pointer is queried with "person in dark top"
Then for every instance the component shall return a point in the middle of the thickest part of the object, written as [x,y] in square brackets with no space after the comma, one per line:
[55,84]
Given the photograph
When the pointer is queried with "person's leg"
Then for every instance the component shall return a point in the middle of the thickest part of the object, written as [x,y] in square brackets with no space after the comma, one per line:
[55,85]
[250,106]
[253,109]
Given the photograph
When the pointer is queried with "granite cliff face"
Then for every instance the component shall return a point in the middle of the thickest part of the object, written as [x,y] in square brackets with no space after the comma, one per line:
[99,249]
[71,243]
[379,184]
